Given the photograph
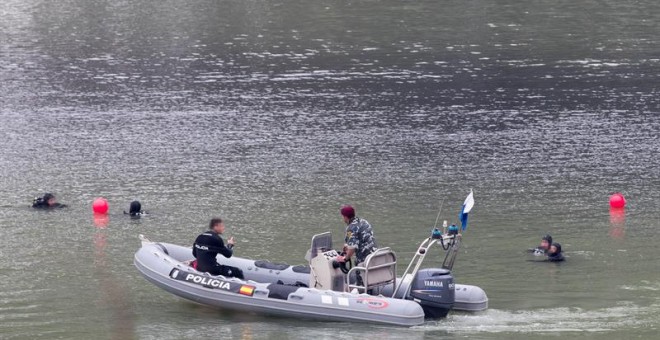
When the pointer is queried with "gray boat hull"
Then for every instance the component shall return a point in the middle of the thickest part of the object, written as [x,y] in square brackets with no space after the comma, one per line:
[162,265]
[280,289]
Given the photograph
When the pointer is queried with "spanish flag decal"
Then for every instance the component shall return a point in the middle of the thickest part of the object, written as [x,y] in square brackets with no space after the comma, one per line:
[246,290]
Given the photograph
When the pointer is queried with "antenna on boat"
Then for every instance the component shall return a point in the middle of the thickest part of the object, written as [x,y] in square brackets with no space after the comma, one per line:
[435,225]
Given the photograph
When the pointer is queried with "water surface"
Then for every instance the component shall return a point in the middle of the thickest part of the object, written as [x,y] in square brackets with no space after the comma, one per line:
[273,114]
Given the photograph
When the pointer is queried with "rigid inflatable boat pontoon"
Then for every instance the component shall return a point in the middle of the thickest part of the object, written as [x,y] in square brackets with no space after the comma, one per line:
[319,290]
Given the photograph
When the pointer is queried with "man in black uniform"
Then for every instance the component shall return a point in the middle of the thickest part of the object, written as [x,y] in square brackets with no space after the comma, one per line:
[208,245]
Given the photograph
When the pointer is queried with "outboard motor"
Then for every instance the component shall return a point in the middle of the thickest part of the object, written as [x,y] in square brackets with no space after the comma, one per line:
[433,289]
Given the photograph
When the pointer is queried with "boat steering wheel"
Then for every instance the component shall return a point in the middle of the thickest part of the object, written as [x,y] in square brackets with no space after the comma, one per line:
[345,266]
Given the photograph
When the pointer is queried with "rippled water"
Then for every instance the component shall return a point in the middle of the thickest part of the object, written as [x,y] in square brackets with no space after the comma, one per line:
[273,114]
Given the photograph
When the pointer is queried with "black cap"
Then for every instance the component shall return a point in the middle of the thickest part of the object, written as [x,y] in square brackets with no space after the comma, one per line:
[558,246]
[547,238]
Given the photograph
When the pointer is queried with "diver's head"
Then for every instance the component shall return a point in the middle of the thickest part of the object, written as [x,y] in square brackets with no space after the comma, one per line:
[555,248]
[546,241]
[135,208]
[49,199]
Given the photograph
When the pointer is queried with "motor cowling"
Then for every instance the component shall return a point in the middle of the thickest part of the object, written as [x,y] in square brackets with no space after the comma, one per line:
[433,289]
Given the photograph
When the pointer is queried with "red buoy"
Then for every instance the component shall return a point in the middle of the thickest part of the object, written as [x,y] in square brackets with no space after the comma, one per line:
[617,201]
[100,206]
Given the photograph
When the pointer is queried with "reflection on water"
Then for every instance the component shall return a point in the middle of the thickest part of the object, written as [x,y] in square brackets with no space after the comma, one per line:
[617,223]
[110,293]
[246,333]
[388,57]
[556,320]
[101,220]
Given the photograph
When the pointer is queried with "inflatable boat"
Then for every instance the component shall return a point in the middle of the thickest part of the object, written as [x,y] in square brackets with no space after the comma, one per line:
[322,289]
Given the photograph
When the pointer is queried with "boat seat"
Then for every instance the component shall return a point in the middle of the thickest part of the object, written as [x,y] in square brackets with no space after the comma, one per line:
[301,269]
[162,247]
[271,265]
[280,291]
[379,269]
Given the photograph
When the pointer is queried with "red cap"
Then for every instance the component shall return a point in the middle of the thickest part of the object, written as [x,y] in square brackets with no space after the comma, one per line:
[347,211]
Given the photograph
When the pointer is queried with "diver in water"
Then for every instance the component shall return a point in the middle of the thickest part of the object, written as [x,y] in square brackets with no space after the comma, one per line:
[555,254]
[543,248]
[135,209]
[47,201]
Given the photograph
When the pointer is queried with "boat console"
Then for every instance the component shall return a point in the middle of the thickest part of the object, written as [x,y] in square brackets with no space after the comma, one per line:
[432,288]
[324,274]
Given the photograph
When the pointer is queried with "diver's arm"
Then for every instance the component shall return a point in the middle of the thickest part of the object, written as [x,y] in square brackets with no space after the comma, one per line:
[537,251]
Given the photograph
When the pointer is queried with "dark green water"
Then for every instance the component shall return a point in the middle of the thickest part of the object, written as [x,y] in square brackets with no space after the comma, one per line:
[274,114]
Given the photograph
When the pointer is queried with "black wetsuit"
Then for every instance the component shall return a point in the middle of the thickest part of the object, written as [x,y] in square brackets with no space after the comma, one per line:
[40,204]
[556,257]
[207,246]
[135,210]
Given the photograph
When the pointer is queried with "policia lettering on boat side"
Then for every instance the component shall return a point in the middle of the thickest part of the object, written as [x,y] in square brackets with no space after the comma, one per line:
[213,283]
